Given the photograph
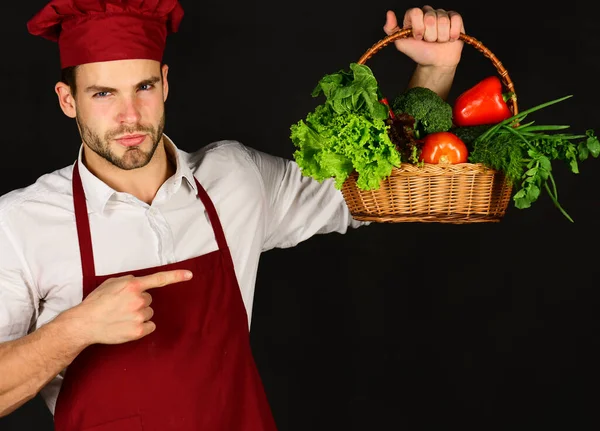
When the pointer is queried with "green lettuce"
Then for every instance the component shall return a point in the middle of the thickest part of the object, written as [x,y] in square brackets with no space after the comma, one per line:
[347,133]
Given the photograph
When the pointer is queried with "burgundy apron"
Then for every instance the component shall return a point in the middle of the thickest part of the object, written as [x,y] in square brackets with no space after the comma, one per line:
[195,372]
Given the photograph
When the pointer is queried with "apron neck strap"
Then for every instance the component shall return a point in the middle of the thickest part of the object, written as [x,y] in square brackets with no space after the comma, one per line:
[83,226]
[213,216]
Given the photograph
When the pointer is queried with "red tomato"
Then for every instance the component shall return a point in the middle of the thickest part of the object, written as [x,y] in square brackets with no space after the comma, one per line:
[443,147]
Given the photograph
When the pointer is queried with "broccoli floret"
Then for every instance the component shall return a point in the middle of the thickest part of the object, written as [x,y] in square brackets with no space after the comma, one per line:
[431,112]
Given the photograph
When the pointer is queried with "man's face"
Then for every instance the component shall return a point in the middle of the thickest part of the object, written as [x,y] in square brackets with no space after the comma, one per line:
[120,110]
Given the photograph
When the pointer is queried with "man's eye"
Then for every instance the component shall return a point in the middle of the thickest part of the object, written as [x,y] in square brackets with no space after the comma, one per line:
[101,94]
[146,87]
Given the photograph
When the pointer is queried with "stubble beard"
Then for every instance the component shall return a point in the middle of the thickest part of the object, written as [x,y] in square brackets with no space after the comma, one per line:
[134,157]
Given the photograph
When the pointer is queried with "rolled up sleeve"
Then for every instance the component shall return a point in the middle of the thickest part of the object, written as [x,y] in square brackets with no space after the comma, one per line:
[19,299]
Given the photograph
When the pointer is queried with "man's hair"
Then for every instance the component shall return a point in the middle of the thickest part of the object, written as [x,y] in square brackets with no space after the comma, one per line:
[67,75]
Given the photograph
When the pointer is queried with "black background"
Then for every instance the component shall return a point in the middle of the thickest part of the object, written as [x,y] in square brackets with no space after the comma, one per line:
[394,326]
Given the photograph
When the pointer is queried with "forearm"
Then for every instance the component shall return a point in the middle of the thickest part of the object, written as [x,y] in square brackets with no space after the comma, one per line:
[438,79]
[29,363]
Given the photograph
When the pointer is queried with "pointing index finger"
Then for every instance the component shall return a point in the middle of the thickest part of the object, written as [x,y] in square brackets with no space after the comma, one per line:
[162,278]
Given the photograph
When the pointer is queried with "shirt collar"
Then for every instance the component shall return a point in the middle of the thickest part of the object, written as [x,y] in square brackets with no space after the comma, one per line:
[182,169]
[98,193]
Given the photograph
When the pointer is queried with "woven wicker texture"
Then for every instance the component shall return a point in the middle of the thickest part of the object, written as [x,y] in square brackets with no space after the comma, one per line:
[460,193]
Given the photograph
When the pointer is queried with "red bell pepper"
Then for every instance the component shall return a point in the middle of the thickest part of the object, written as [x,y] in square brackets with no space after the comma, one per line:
[484,103]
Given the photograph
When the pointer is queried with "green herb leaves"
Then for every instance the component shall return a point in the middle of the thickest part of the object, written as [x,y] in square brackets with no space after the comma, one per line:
[525,152]
[591,146]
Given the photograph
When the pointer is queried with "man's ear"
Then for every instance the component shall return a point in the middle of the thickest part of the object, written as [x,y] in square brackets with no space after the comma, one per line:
[165,82]
[66,99]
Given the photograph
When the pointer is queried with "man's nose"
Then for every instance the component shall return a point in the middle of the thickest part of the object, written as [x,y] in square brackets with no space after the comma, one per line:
[129,111]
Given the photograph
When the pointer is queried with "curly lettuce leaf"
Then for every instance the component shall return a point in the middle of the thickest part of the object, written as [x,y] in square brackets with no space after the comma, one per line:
[332,145]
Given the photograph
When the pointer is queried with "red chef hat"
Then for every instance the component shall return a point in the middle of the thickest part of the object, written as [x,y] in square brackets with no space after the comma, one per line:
[88,31]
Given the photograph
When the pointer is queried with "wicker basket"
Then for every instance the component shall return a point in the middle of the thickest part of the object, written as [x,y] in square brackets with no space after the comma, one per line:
[459,193]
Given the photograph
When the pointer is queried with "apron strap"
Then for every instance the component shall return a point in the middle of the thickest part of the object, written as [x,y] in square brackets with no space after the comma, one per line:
[83,227]
[215,222]
[85,237]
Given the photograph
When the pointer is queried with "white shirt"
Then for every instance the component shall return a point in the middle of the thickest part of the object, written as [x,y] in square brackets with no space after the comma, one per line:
[263,202]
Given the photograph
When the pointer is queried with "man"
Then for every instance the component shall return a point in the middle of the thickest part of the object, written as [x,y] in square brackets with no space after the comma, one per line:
[127,278]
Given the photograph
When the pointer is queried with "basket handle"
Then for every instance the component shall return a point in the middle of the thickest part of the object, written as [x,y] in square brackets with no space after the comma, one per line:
[407,32]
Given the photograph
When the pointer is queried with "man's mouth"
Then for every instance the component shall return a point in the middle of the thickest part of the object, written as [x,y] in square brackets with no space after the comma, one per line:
[131,140]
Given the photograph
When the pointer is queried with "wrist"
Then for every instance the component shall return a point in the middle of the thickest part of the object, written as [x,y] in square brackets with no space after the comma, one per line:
[436,78]
[73,326]
[432,73]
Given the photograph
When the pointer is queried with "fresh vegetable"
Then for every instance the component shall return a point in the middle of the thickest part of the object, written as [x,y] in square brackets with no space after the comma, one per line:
[354,91]
[431,112]
[347,132]
[525,152]
[402,134]
[468,134]
[443,147]
[484,103]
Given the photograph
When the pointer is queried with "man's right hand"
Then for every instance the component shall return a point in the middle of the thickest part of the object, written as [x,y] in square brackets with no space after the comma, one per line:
[119,309]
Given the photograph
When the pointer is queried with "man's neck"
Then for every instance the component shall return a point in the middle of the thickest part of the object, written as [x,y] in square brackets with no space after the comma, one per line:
[143,183]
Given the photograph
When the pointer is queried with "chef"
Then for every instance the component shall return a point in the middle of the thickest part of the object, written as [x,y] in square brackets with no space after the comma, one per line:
[127,278]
